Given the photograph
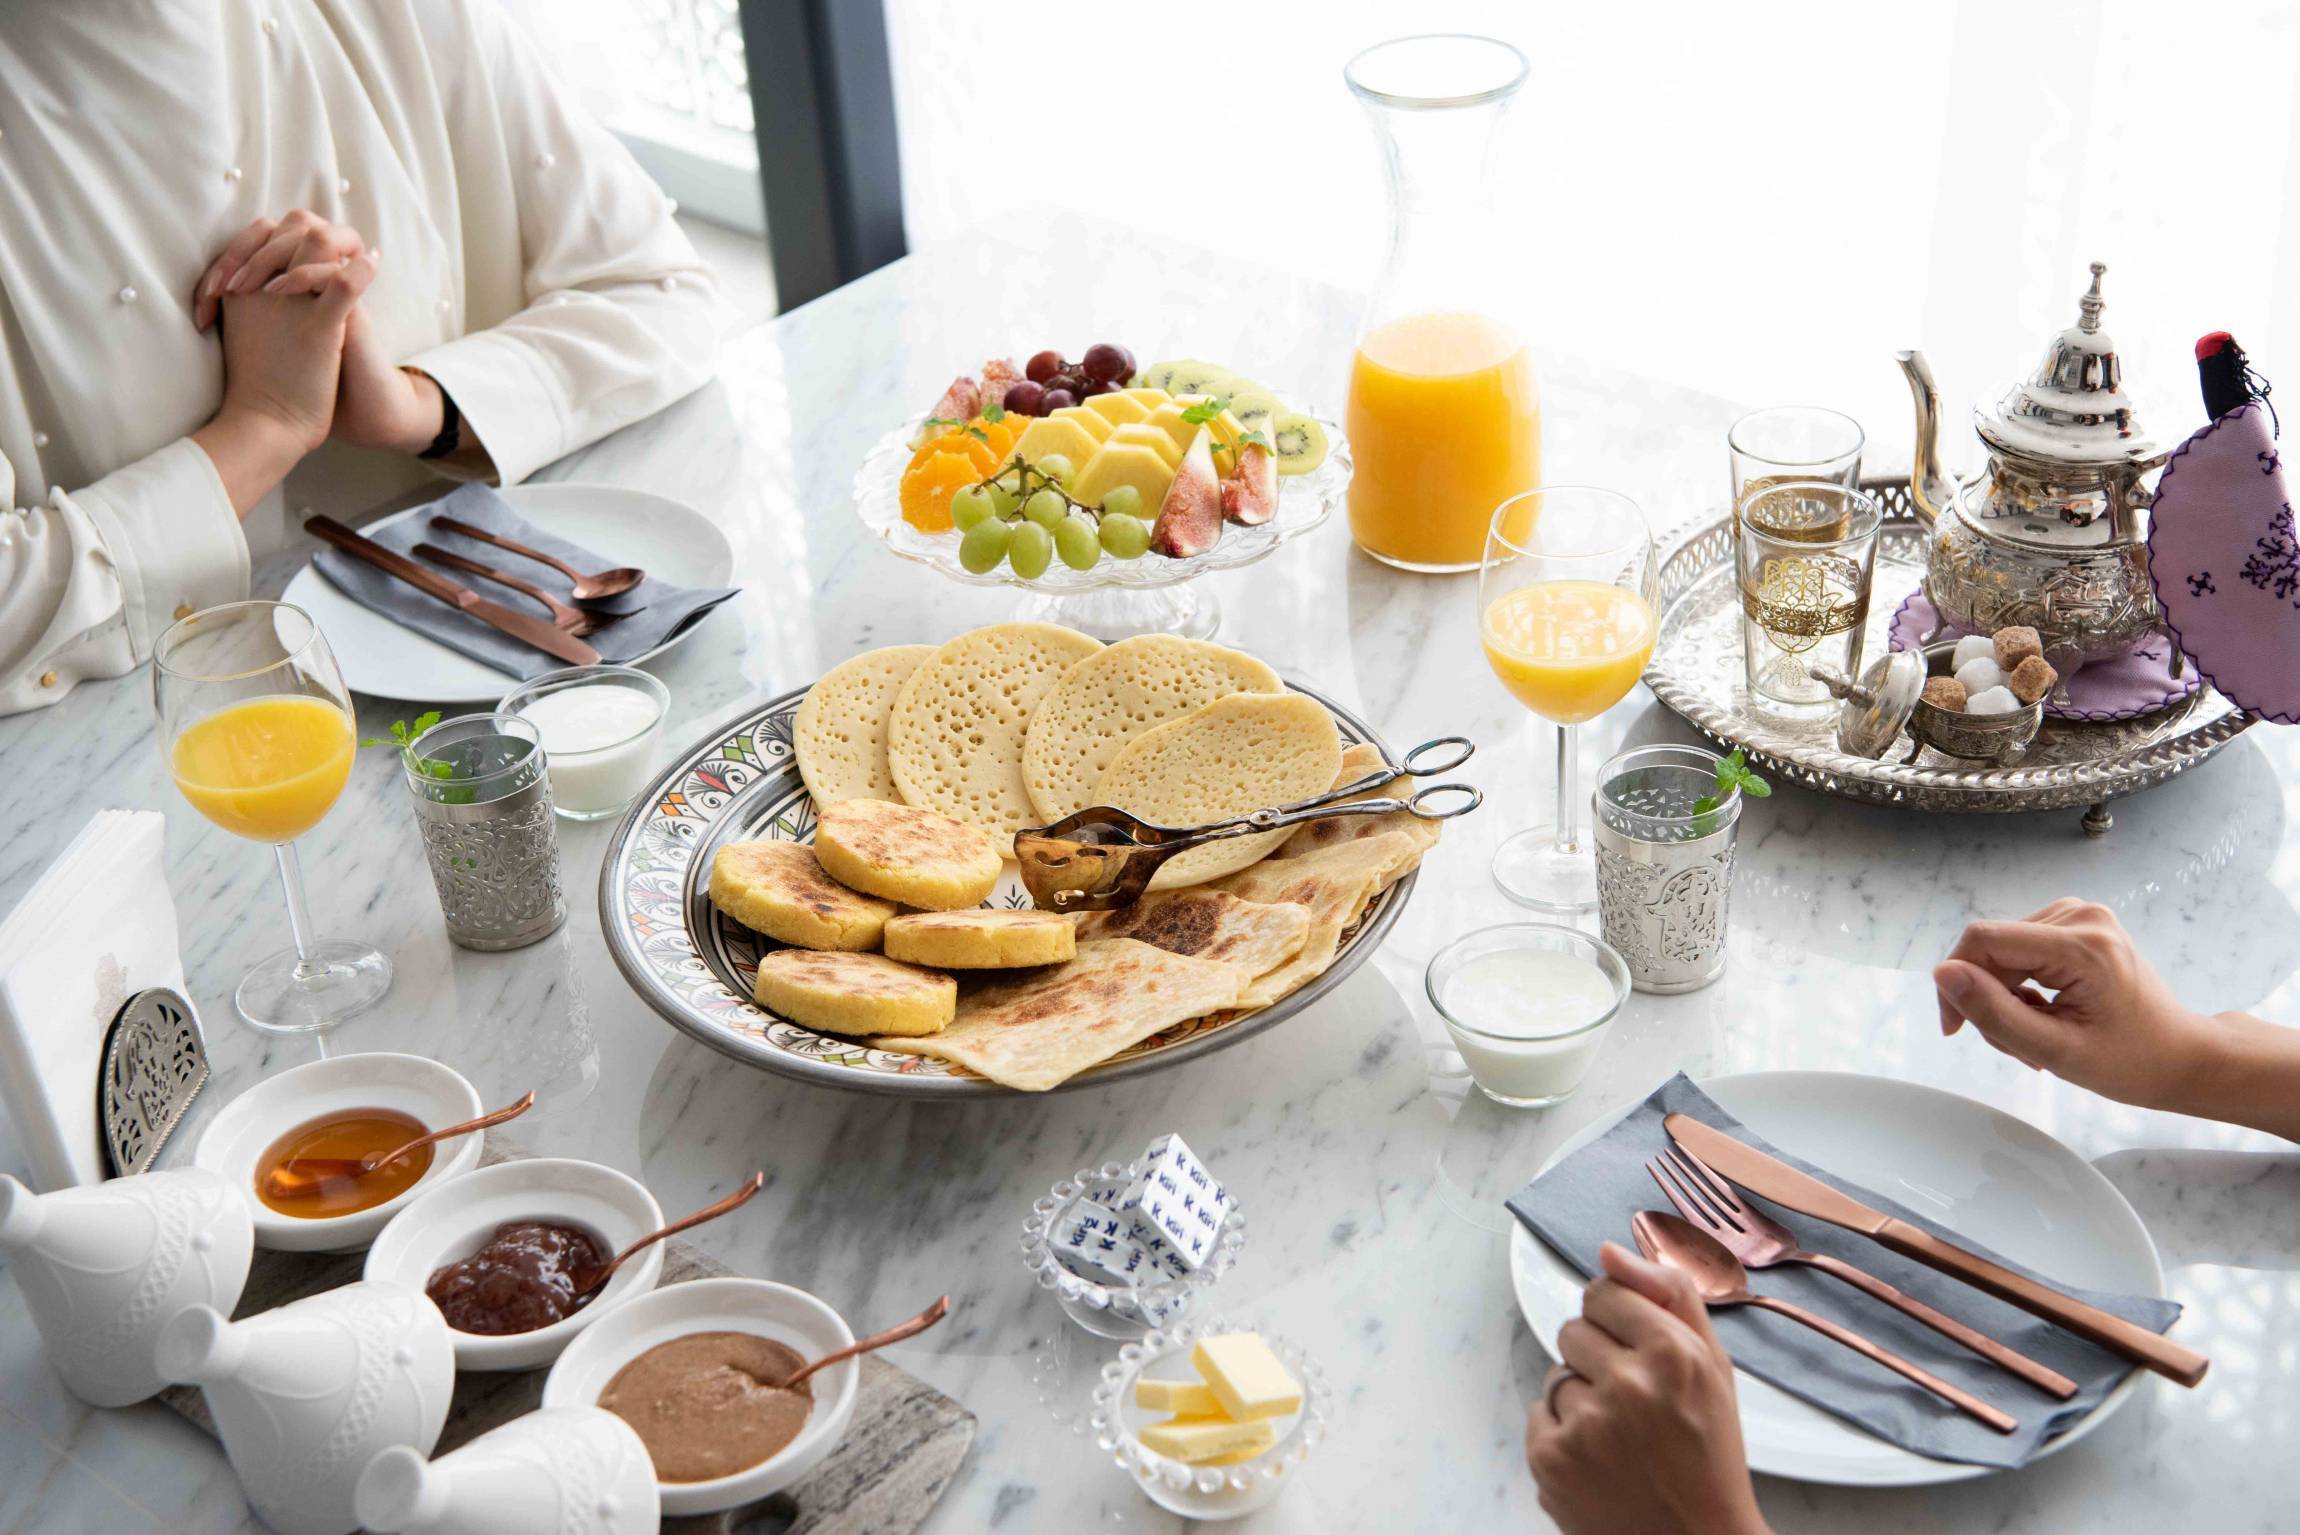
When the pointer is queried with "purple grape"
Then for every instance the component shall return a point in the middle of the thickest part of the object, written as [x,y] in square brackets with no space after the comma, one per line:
[1067,379]
[1107,361]
[1095,386]
[1042,366]
[1056,399]
[1026,398]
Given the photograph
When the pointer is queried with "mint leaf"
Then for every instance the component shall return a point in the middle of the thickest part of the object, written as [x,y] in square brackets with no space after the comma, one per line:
[978,434]
[940,421]
[1205,411]
[994,413]
[1255,439]
[423,722]
[1705,804]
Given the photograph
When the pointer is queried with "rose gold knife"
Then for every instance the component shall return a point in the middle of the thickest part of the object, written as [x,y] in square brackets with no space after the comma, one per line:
[534,631]
[1785,1185]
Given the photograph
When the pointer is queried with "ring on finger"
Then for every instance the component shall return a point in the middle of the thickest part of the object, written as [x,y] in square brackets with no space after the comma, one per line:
[1559,1377]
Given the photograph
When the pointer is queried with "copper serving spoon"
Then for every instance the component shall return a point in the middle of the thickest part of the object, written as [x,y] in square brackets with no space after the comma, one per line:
[305,1177]
[587,1280]
[1722,1281]
[607,583]
[894,1334]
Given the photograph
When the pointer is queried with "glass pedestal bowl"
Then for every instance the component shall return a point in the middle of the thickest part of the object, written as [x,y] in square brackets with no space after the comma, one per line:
[1107,1308]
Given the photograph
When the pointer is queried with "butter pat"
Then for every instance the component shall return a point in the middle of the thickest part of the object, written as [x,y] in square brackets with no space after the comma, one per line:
[1246,1377]
[1185,1398]
[1176,1201]
[1195,1441]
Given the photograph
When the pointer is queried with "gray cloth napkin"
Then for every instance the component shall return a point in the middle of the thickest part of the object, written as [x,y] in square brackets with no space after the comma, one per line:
[1589,1197]
[651,612]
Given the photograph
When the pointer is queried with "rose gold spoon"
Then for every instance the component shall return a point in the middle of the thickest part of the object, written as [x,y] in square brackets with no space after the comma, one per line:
[590,1279]
[607,583]
[304,1177]
[1722,1281]
[876,1340]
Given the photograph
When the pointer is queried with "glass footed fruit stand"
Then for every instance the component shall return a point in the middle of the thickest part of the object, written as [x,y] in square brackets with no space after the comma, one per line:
[1150,594]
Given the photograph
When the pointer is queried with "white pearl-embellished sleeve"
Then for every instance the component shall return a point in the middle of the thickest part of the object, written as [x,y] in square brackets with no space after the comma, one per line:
[617,316]
[92,577]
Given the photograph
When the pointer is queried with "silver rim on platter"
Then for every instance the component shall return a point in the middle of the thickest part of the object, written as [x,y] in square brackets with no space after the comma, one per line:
[691,965]
[1305,501]
[1696,671]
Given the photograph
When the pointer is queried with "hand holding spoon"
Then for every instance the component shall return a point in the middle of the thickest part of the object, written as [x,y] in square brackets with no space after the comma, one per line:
[590,1279]
[877,1340]
[1721,1281]
[306,1177]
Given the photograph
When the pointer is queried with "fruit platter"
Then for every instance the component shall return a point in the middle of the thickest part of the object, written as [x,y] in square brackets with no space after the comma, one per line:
[1100,486]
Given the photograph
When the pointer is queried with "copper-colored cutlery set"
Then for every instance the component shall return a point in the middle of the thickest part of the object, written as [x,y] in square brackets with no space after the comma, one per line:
[562,635]
[1717,1237]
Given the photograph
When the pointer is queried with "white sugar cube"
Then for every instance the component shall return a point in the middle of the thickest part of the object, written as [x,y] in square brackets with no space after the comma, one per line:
[1973,647]
[1997,700]
[1980,674]
[1175,1202]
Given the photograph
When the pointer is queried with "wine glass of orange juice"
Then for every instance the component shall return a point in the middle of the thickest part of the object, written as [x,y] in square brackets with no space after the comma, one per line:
[1565,600]
[256,726]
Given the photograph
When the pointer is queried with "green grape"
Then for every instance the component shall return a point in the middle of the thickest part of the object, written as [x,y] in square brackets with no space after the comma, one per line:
[1056,467]
[983,546]
[1125,500]
[1126,537]
[1002,500]
[972,505]
[1030,551]
[1046,508]
[1077,543]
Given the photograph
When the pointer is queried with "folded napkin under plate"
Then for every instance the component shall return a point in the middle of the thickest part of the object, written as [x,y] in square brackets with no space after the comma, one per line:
[653,612]
[1588,1198]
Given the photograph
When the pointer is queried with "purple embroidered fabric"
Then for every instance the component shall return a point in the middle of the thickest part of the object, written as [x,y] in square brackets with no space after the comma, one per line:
[2138,682]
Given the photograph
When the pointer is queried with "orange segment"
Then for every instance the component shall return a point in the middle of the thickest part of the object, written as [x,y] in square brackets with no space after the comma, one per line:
[928,486]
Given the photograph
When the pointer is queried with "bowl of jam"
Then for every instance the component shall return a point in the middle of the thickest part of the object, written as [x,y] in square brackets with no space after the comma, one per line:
[695,1369]
[500,1249]
[345,1107]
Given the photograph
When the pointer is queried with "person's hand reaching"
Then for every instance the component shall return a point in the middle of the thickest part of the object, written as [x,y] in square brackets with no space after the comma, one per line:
[1637,1429]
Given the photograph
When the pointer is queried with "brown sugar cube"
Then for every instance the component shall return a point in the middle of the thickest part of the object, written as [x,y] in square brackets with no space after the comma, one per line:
[2032,679]
[2015,645]
[1945,693]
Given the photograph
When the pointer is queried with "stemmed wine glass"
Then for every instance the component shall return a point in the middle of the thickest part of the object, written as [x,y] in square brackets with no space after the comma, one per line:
[256,726]
[1565,609]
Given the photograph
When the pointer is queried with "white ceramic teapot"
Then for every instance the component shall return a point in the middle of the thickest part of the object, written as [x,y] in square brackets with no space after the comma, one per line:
[306,1395]
[557,1471]
[105,1268]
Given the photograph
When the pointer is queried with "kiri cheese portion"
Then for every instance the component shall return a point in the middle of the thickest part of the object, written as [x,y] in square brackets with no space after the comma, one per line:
[1183,1398]
[1195,1440]
[1245,1377]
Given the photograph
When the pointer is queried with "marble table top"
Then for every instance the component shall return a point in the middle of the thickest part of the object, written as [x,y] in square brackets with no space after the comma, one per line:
[1379,1236]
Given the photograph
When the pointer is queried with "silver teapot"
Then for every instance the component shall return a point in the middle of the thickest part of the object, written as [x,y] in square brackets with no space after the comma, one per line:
[2054,535]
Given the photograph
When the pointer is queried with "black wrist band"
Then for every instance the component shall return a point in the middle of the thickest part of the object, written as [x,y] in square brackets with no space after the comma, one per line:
[450,427]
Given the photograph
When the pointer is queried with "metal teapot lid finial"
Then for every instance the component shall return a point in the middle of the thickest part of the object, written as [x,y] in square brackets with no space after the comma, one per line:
[2090,304]
[2072,412]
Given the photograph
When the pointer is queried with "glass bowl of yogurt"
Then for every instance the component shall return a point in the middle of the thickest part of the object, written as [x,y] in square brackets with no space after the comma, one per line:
[1528,1005]
[600,727]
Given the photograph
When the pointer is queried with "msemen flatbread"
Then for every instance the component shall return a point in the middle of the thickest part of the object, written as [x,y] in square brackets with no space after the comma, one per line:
[1357,762]
[1206,924]
[839,734]
[1237,754]
[1039,1031]
[1334,883]
[954,740]
[1113,696]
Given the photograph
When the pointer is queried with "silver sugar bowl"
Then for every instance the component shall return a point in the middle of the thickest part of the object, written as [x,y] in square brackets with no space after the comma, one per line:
[2054,535]
[1889,700]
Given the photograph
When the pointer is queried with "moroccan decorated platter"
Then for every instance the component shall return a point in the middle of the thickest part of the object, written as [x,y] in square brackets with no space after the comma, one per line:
[697,967]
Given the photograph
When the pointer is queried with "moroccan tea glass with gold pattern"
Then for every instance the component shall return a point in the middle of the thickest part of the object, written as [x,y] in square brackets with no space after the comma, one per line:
[1804,554]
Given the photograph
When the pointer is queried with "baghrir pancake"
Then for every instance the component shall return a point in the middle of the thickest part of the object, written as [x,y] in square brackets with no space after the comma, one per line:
[839,733]
[1038,1031]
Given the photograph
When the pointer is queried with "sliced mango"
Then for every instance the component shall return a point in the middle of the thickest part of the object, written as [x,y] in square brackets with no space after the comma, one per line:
[1151,398]
[1049,435]
[1094,421]
[1119,407]
[1124,463]
[1146,435]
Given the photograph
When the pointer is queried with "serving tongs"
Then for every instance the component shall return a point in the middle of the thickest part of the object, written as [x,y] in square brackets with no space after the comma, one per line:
[1102,857]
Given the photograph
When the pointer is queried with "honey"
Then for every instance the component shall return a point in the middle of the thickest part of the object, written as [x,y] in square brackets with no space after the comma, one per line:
[346,1135]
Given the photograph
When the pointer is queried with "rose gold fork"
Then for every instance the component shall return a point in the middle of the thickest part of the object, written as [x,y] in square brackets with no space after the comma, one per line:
[1761,1242]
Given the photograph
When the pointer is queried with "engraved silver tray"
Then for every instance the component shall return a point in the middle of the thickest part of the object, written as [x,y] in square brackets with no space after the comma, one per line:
[1696,671]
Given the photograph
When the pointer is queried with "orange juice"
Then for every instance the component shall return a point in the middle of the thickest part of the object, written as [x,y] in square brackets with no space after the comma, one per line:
[266,768]
[1445,425]
[1569,650]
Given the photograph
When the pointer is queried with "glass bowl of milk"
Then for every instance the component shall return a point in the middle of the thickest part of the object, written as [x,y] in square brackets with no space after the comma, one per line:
[600,726]
[1528,1005]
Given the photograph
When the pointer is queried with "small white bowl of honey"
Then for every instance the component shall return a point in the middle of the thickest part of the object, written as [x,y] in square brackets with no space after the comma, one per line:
[347,1106]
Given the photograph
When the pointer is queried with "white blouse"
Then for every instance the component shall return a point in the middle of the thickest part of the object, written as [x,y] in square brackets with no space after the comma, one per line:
[528,265]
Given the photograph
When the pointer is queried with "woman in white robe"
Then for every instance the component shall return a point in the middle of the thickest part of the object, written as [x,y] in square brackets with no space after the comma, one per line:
[456,229]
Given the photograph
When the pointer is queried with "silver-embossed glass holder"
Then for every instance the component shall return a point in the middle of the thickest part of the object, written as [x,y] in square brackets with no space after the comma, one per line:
[1665,869]
[482,794]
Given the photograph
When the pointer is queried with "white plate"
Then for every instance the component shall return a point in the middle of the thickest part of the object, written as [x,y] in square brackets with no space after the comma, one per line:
[624,527]
[1998,1180]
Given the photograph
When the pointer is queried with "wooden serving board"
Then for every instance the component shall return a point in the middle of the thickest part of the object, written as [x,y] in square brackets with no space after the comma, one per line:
[906,1442]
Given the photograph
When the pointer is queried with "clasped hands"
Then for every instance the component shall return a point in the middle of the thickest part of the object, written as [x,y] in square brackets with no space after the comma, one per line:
[302,363]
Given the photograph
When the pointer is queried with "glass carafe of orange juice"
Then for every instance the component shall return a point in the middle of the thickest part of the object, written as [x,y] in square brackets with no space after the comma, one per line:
[1444,419]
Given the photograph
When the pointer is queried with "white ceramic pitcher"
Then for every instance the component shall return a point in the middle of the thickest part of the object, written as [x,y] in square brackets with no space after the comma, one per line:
[306,1395]
[558,1471]
[104,1268]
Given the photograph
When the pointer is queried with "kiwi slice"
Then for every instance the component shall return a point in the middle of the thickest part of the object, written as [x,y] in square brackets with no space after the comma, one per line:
[1252,405]
[1187,375]
[1298,440]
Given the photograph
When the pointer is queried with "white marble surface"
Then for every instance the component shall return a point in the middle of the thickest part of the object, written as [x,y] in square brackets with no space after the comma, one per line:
[1378,1236]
